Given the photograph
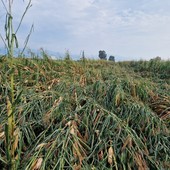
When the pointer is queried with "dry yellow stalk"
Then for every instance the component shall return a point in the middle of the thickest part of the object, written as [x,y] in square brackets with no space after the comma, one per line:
[133,90]
[82,81]
[10,118]
[117,99]
[40,146]
[75,95]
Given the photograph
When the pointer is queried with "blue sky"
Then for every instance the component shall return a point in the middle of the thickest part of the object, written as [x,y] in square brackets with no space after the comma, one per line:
[132,29]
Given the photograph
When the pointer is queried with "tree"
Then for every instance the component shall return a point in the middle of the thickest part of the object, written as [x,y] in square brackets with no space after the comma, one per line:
[112,58]
[67,56]
[83,56]
[102,55]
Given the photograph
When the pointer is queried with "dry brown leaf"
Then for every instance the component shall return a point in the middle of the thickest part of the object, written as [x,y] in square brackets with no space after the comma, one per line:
[74,150]
[86,136]
[68,123]
[77,118]
[141,163]
[128,142]
[97,118]
[165,116]
[47,118]
[2,135]
[100,155]
[78,152]
[110,155]
[52,82]
[76,167]
[16,139]
[97,132]
[79,135]
[72,130]
[49,87]
[37,164]
[57,102]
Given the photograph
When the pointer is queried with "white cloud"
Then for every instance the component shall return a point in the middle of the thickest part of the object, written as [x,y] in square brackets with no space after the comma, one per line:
[130,28]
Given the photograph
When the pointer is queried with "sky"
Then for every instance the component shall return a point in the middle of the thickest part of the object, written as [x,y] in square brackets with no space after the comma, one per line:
[126,29]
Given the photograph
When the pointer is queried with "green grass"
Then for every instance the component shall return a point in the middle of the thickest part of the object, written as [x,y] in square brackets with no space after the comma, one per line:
[87,114]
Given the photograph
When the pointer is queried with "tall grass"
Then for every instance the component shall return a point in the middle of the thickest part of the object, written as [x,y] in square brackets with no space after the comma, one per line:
[154,68]
[86,115]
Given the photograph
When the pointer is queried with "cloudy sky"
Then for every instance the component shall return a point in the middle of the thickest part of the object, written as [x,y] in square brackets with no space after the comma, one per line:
[129,29]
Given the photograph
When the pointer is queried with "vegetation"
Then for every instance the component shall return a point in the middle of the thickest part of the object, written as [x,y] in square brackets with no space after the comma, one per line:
[63,114]
[112,58]
[155,69]
[11,130]
[86,114]
[102,55]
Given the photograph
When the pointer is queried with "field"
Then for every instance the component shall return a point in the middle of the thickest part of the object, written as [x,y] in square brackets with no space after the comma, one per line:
[87,114]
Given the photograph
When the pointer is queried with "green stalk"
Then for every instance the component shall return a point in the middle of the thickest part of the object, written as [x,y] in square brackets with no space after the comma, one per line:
[10,36]
[11,131]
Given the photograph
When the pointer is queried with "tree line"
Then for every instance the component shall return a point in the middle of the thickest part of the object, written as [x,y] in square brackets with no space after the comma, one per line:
[103,56]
